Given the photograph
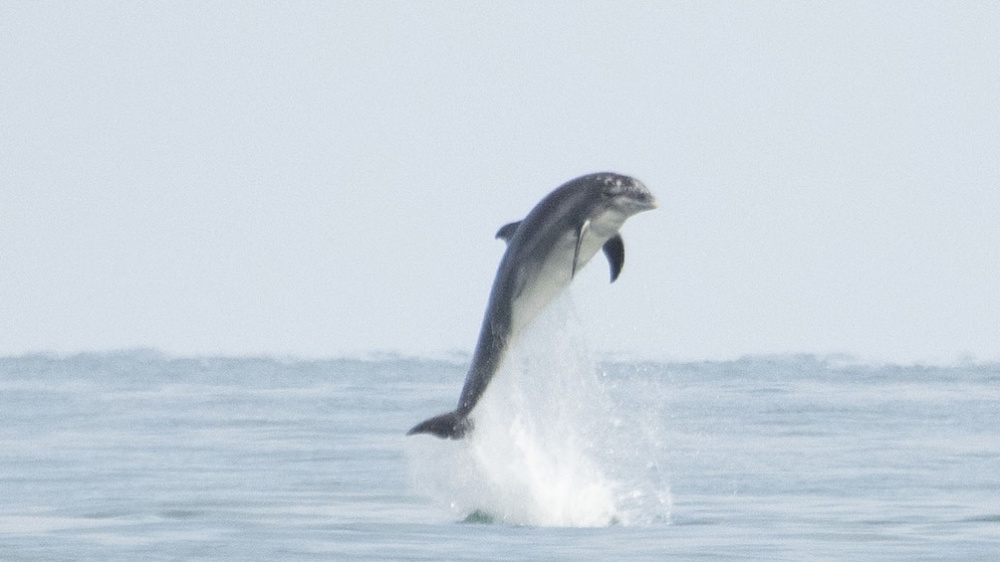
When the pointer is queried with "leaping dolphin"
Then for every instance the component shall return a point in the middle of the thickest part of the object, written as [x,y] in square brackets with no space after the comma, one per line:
[544,252]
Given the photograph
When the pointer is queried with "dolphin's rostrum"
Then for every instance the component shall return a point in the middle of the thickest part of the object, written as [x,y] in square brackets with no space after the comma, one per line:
[544,252]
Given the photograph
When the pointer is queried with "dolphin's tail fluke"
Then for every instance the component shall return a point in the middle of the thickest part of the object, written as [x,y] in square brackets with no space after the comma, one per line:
[452,425]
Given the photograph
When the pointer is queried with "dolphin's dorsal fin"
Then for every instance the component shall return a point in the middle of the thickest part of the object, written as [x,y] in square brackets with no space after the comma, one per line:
[579,242]
[506,231]
[614,249]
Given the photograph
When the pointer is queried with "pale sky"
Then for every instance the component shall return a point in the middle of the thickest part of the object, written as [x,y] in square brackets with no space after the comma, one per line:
[325,178]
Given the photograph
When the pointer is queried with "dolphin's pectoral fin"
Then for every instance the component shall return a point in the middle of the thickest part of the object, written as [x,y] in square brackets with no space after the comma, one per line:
[506,231]
[579,242]
[452,425]
[614,249]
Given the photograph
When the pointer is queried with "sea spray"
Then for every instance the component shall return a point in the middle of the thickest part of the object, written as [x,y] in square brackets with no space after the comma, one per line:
[551,445]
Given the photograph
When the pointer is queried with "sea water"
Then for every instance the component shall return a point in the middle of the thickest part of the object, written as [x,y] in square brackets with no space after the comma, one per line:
[138,455]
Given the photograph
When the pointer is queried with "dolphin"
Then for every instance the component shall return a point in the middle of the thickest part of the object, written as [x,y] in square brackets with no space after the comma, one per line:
[544,252]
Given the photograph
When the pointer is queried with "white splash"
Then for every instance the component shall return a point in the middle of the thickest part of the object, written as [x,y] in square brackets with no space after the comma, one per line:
[548,448]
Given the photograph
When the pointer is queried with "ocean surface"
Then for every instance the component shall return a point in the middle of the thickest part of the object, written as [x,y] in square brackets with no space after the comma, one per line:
[142,456]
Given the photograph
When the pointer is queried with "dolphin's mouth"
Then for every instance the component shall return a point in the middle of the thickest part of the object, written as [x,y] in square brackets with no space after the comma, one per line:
[645,202]
[641,197]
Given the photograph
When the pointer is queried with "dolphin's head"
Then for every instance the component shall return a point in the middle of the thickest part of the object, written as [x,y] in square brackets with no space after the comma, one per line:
[602,201]
[606,199]
[620,193]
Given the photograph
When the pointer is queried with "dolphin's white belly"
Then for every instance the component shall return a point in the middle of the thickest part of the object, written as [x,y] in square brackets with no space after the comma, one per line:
[551,276]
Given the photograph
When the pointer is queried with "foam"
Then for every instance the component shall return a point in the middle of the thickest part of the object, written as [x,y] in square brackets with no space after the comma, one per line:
[549,446]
